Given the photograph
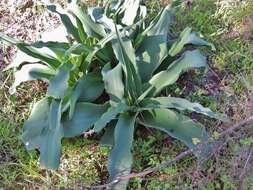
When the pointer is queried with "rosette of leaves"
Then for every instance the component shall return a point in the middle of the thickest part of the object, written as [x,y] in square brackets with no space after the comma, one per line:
[147,63]
[117,50]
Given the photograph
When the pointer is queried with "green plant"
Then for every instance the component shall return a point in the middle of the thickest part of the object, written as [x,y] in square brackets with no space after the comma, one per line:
[133,59]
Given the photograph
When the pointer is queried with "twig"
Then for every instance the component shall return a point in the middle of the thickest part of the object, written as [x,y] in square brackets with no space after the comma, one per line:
[176,159]
[236,126]
[5,81]
[245,167]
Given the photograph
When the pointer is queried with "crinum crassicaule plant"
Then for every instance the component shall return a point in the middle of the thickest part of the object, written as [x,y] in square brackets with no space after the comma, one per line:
[147,63]
[135,63]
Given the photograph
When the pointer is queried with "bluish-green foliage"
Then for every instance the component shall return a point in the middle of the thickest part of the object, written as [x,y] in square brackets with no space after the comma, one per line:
[108,76]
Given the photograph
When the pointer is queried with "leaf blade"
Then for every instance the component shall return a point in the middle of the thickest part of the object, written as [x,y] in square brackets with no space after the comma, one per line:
[91,28]
[125,54]
[87,89]
[109,115]
[59,84]
[188,37]
[32,51]
[153,48]
[65,18]
[85,115]
[34,125]
[178,126]
[120,158]
[180,104]
[114,85]
[189,60]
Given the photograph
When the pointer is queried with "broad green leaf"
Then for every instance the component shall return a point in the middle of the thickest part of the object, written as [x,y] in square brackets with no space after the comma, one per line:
[177,126]
[188,37]
[83,36]
[87,89]
[84,48]
[31,51]
[55,49]
[99,46]
[189,60]
[109,115]
[85,115]
[180,104]
[65,18]
[34,125]
[153,48]
[44,57]
[59,84]
[50,147]
[77,49]
[91,28]
[150,27]
[124,52]
[46,135]
[87,51]
[113,81]
[130,8]
[159,24]
[90,87]
[120,158]
[54,114]
[97,15]
[108,137]
[31,72]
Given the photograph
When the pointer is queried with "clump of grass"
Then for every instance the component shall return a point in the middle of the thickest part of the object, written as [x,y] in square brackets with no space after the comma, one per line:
[234,10]
[238,15]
